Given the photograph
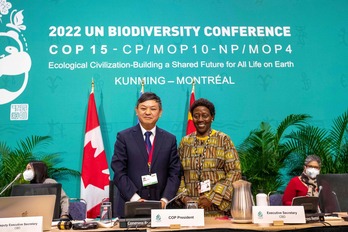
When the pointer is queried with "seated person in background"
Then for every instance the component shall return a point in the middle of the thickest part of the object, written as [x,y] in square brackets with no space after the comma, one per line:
[306,183]
[36,173]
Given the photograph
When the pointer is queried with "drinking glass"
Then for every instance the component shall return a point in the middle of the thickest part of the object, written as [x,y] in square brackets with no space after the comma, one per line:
[192,205]
[105,212]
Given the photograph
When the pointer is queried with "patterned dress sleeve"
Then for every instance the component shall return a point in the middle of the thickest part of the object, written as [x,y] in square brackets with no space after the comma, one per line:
[182,187]
[221,193]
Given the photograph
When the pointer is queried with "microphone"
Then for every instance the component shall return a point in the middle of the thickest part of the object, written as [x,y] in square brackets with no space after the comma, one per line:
[319,191]
[176,197]
[10,184]
[338,207]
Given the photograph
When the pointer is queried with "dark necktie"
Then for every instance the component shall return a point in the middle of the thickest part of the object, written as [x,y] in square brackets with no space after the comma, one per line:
[147,141]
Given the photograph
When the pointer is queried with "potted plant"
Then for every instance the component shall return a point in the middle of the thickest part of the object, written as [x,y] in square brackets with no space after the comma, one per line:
[330,145]
[263,152]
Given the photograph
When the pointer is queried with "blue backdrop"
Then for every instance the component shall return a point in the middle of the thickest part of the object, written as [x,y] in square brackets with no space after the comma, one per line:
[257,60]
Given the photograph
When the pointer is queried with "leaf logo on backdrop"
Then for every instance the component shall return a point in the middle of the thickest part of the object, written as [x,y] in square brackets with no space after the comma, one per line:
[15,62]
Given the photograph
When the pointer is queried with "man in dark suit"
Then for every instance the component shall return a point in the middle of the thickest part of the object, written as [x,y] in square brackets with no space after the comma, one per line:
[145,162]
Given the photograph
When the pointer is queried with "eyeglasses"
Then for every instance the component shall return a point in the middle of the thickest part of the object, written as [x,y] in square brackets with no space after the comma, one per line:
[311,166]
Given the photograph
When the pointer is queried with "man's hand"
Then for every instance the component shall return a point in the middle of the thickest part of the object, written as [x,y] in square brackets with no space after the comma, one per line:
[163,204]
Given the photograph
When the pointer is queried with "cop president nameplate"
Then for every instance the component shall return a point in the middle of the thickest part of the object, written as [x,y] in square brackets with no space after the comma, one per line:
[183,217]
[287,214]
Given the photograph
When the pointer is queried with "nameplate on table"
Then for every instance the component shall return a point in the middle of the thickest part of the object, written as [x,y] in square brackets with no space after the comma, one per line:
[287,214]
[182,217]
[22,224]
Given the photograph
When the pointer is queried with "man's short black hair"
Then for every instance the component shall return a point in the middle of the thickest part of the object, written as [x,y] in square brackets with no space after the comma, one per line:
[149,96]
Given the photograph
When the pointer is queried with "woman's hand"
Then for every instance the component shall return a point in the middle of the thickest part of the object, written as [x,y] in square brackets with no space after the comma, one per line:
[204,202]
[186,199]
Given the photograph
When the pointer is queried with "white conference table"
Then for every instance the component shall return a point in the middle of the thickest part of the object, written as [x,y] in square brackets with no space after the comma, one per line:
[211,224]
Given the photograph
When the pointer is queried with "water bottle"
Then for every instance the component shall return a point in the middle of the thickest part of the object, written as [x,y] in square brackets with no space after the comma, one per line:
[262,199]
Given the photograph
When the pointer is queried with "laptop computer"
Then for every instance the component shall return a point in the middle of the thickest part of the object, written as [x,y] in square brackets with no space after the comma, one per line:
[141,209]
[40,189]
[29,206]
[310,204]
[311,208]
[138,214]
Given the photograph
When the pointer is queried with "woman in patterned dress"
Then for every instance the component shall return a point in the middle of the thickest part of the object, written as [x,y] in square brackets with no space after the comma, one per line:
[210,163]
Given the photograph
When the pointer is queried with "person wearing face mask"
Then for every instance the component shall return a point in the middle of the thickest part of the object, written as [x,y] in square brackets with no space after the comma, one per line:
[210,163]
[306,183]
[36,173]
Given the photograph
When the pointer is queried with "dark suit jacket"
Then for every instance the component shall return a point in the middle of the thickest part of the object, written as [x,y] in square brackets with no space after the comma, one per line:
[129,163]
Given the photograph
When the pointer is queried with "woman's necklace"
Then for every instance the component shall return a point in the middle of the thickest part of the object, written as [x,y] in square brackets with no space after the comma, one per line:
[201,157]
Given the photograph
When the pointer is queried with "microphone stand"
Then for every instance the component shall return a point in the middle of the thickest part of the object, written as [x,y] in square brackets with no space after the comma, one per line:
[10,184]
[176,197]
[320,188]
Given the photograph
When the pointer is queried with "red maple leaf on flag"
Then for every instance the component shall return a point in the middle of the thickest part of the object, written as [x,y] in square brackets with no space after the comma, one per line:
[94,174]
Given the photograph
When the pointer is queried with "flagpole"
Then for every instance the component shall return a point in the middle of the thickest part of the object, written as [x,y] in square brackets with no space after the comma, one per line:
[190,127]
[92,91]
[142,86]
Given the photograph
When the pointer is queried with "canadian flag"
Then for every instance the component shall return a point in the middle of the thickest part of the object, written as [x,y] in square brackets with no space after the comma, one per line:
[95,172]
[190,126]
